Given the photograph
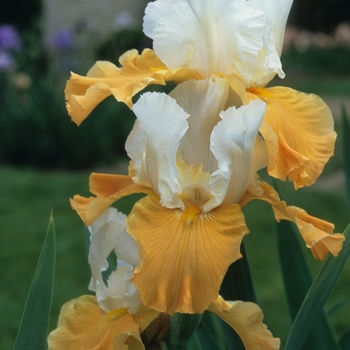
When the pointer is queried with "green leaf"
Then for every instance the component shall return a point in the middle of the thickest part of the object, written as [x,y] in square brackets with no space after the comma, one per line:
[237,285]
[344,340]
[33,329]
[317,296]
[297,281]
[238,282]
[195,343]
[337,306]
[182,327]
[346,150]
[210,333]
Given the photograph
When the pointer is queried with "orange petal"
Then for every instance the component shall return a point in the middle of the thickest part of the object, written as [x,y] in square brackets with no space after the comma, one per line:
[299,132]
[183,254]
[106,185]
[150,322]
[317,234]
[108,189]
[246,319]
[83,325]
[81,205]
[83,94]
[238,92]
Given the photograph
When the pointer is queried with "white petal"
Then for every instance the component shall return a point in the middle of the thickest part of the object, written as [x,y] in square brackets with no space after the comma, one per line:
[164,123]
[232,143]
[153,12]
[259,161]
[135,147]
[233,37]
[121,292]
[269,63]
[277,12]
[203,100]
[108,234]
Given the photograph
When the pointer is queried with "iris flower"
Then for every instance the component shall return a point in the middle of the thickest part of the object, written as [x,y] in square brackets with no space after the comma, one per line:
[238,40]
[116,318]
[196,156]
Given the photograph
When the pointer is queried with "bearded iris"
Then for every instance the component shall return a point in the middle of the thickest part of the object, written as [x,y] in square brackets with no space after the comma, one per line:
[196,157]
[190,226]
[239,40]
[115,317]
[196,153]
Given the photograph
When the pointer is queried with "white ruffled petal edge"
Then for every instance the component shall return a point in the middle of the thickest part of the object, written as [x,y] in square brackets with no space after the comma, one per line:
[203,100]
[107,234]
[163,124]
[233,144]
[232,37]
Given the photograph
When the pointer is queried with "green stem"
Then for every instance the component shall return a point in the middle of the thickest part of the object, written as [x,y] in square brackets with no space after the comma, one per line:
[182,327]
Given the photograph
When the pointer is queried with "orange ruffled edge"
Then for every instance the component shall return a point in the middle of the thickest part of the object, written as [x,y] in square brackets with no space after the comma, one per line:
[317,234]
[83,324]
[184,253]
[299,133]
[246,319]
[298,128]
[108,188]
[83,94]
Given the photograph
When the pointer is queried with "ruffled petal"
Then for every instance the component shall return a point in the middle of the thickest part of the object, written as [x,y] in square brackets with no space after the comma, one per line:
[203,100]
[277,12]
[317,234]
[107,234]
[108,188]
[153,326]
[213,37]
[83,325]
[299,132]
[83,94]
[246,319]
[106,185]
[136,146]
[183,254]
[232,143]
[164,123]
[119,291]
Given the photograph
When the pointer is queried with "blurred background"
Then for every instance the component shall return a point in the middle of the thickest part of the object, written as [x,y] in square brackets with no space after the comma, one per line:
[45,158]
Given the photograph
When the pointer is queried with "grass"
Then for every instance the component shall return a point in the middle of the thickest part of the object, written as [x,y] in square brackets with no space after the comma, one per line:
[26,200]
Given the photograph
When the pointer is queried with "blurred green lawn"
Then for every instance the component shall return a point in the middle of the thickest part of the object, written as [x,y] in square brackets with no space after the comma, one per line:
[27,197]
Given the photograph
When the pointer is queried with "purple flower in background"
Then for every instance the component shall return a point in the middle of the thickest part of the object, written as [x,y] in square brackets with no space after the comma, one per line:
[9,38]
[124,19]
[63,40]
[6,61]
